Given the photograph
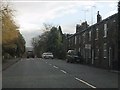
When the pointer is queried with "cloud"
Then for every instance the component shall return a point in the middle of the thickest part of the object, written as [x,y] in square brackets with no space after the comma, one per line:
[32,14]
[37,13]
[29,35]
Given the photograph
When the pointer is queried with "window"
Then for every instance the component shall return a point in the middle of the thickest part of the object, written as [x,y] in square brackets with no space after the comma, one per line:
[79,39]
[75,40]
[89,50]
[84,53]
[79,49]
[105,30]
[83,37]
[105,50]
[96,52]
[89,35]
[96,34]
[114,20]
[69,43]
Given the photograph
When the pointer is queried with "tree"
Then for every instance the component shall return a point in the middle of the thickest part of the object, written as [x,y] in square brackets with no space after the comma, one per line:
[53,41]
[12,39]
[39,43]
[20,42]
[62,45]
[50,41]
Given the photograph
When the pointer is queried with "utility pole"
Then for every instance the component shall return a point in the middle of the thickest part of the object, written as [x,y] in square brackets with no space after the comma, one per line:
[92,13]
[85,11]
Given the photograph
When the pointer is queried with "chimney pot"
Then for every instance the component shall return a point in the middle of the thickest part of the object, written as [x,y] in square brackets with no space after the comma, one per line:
[99,18]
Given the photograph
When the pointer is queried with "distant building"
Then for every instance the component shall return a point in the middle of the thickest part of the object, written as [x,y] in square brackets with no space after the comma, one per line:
[98,44]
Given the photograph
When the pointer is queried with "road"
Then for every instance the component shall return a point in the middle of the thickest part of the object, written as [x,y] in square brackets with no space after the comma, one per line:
[48,73]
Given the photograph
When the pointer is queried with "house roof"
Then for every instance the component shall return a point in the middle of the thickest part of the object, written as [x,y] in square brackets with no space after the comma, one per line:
[94,25]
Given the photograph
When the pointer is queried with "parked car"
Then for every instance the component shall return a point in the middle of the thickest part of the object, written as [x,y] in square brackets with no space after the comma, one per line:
[72,57]
[47,55]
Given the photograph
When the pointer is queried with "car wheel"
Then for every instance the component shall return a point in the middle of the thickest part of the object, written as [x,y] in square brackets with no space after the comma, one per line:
[67,61]
[70,61]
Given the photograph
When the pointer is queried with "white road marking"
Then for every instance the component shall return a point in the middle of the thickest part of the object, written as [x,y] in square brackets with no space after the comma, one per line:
[85,82]
[63,71]
[55,67]
[50,64]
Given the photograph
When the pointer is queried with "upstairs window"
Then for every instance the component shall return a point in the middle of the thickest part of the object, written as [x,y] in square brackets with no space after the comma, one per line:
[89,35]
[79,39]
[75,40]
[105,30]
[69,43]
[96,34]
[83,37]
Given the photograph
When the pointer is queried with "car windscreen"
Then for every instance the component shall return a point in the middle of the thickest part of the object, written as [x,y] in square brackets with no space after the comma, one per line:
[72,53]
[49,53]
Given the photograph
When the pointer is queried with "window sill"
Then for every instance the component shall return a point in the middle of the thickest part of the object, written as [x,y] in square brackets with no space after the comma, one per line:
[96,57]
[96,39]
[105,37]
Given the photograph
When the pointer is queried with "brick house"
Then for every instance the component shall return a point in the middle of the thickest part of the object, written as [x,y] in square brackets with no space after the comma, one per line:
[98,44]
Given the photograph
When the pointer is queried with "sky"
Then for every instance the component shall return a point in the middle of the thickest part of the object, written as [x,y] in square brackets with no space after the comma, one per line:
[30,15]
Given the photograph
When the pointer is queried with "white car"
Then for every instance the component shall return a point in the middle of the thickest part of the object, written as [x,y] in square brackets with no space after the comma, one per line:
[47,55]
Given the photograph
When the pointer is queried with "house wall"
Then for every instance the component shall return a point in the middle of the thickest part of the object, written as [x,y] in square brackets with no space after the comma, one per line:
[97,47]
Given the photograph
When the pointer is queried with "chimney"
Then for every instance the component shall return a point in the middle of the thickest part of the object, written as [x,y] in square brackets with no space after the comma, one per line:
[84,25]
[78,28]
[99,18]
[81,27]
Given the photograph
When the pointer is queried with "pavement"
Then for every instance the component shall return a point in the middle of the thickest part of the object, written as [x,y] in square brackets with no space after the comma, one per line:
[54,73]
[8,63]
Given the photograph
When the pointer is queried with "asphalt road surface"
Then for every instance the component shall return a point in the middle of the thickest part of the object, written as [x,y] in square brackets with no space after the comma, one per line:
[54,73]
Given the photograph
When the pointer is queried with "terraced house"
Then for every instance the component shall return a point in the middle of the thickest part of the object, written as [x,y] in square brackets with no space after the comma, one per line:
[98,44]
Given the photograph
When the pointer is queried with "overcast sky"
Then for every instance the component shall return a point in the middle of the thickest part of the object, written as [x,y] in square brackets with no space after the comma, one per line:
[30,15]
